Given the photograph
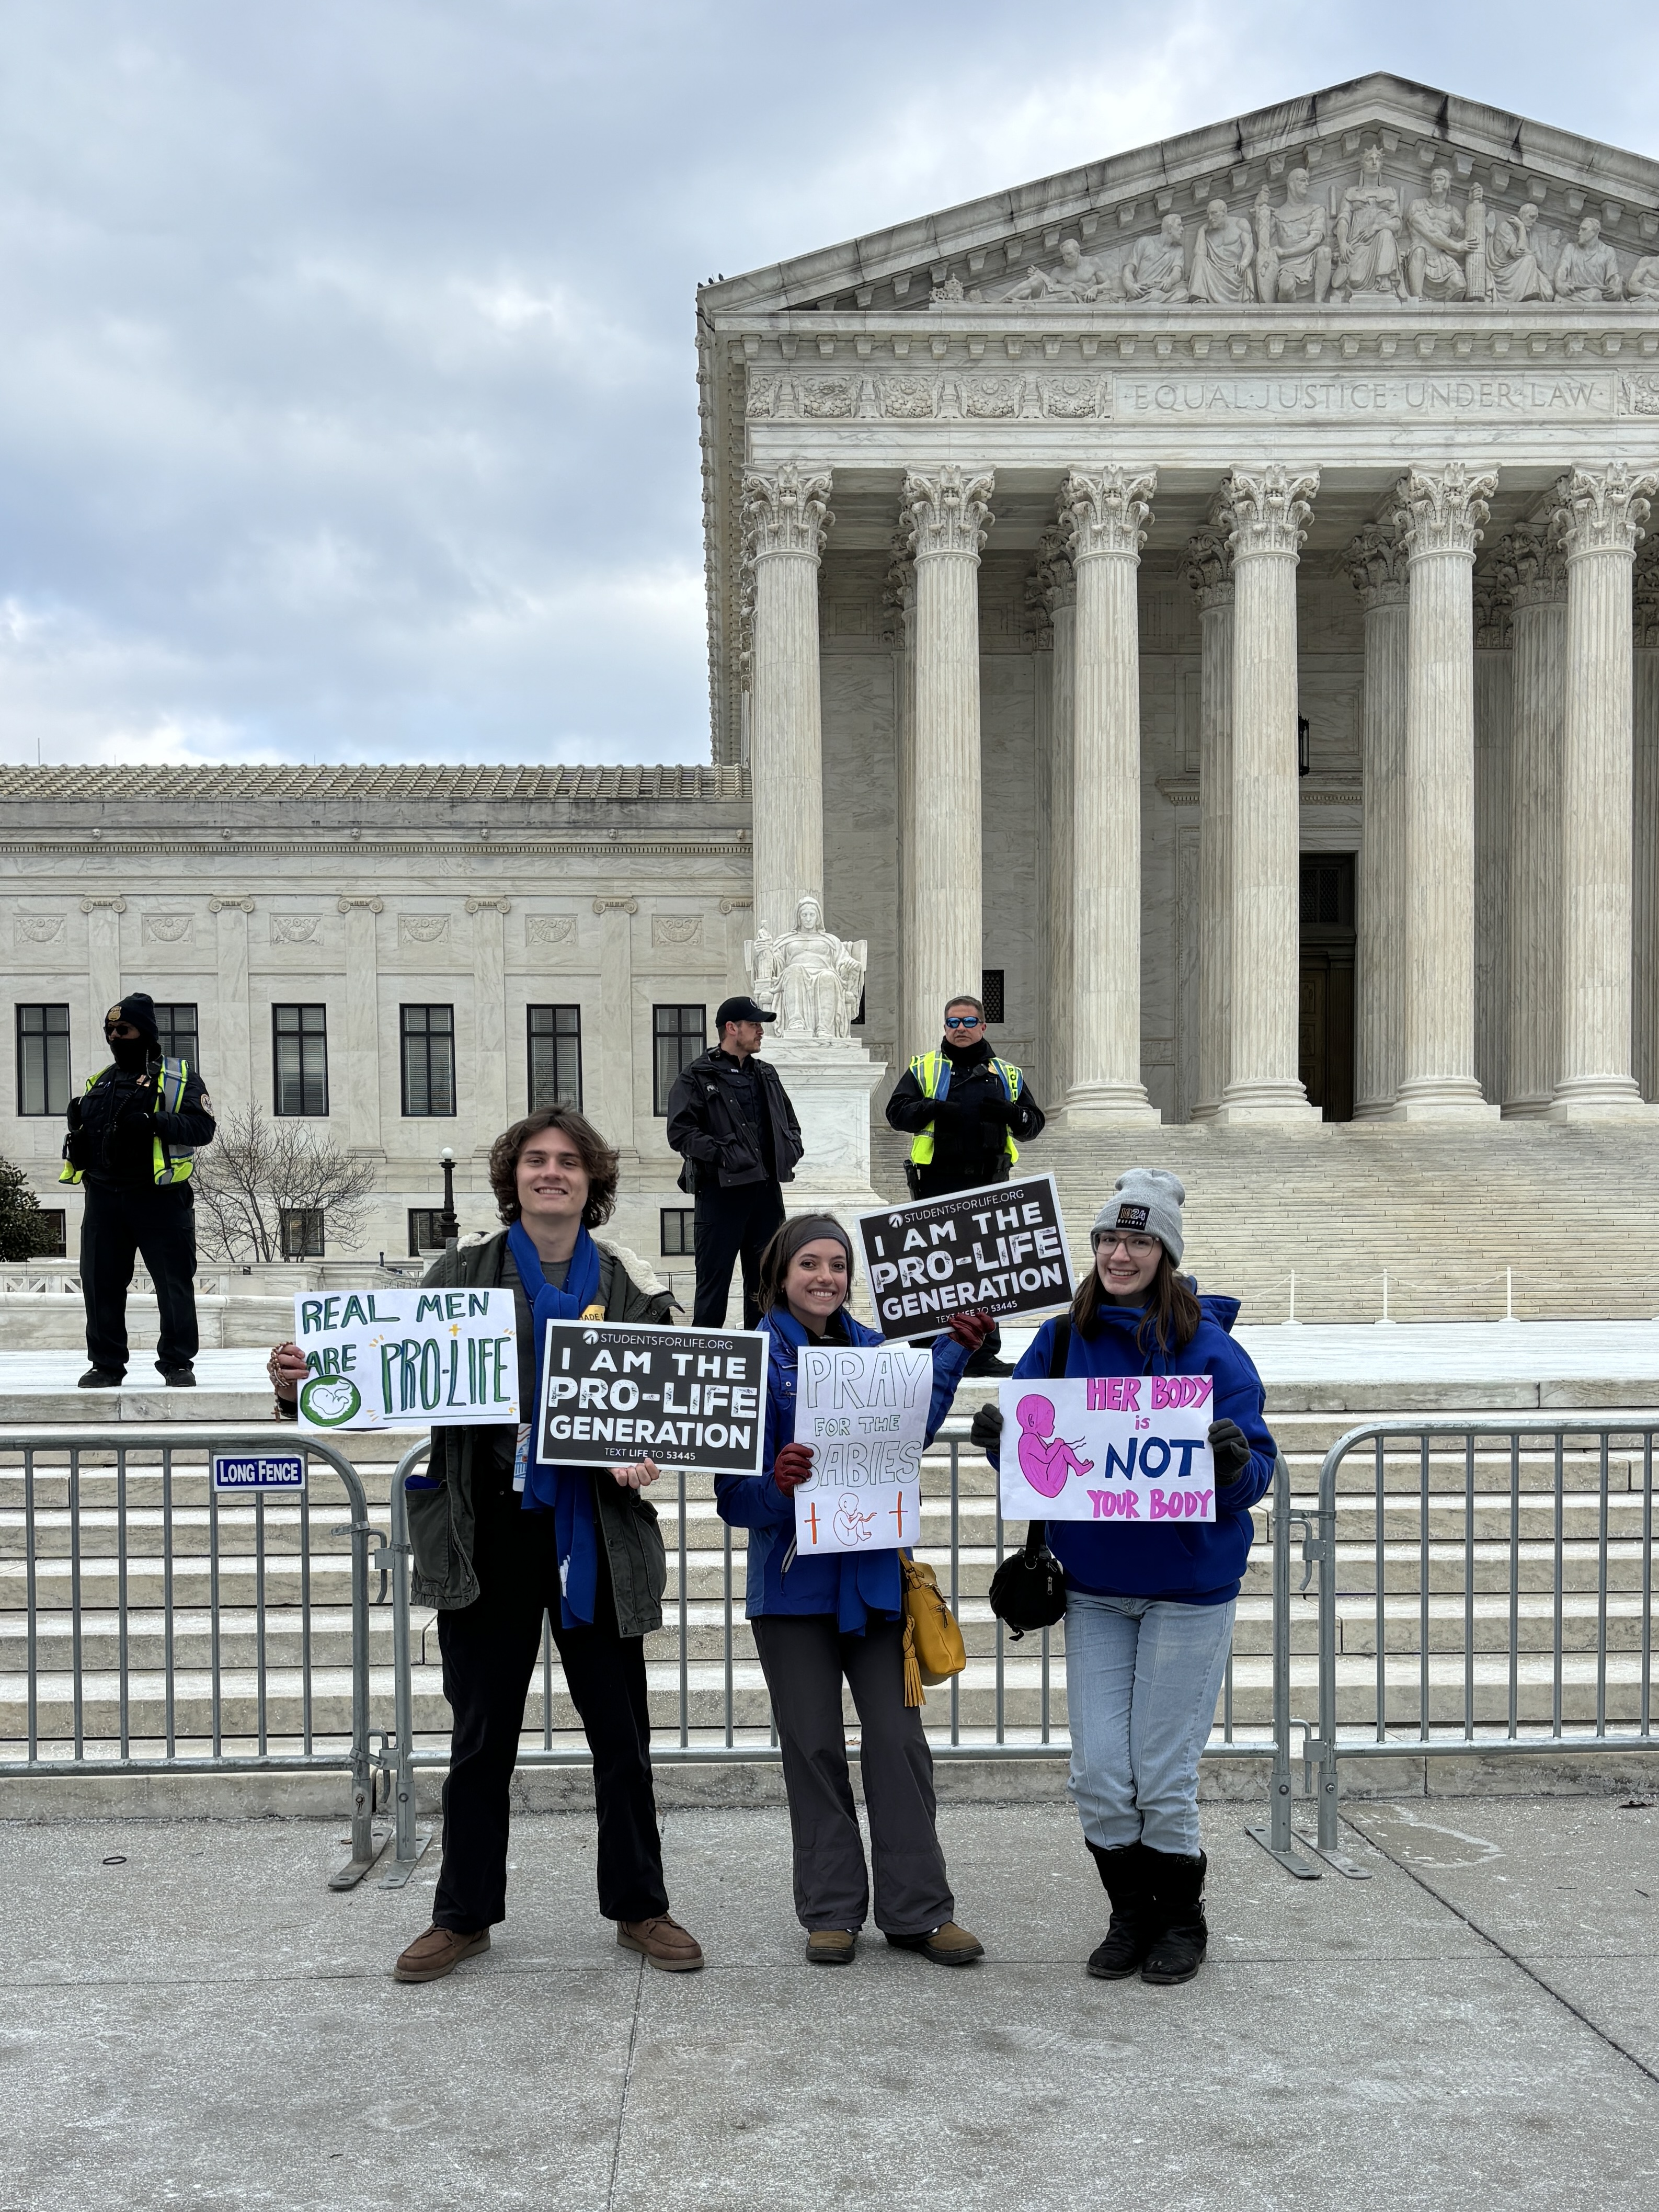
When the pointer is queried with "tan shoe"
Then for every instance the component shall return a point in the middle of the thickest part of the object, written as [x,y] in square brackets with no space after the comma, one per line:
[831,1947]
[663,1942]
[438,1953]
[949,1946]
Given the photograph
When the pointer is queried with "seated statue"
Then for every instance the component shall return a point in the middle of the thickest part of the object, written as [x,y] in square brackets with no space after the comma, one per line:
[1223,254]
[816,978]
[1155,269]
[1515,273]
[1293,246]
[1368,233]
[1439,246]
[1642,282]
[1077,278]
[1588,271]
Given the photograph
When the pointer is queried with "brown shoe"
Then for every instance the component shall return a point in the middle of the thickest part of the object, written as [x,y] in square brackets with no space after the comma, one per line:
[831,1947]
[438,1953]
[949,1946]
[663,1942]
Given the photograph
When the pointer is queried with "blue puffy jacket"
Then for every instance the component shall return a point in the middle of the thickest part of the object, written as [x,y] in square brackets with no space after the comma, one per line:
[1194,1562]
[850,1585]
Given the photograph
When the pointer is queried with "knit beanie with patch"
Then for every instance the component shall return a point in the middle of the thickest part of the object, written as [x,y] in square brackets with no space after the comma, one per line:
[1146,1202]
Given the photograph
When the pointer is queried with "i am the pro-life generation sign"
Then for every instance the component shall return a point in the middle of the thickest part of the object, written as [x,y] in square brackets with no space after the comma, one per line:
[1002,1248]
[616,1391]
[408,1358]
[863,1408]
[1124,1447]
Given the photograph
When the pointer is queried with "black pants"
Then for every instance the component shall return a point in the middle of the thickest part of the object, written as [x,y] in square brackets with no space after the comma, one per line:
[489,1649]
[743,1220]
[804,1657]
[158,1220]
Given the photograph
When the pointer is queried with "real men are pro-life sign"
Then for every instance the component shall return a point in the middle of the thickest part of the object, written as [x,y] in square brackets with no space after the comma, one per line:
[384,1359]
[1002,1248]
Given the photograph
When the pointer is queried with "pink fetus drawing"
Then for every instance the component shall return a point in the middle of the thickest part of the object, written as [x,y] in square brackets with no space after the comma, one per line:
[1045,1461]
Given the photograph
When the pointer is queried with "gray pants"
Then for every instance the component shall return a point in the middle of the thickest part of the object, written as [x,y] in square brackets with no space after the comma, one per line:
[804,1657]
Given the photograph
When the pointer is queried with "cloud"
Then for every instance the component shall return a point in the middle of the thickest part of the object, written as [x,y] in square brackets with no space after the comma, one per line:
[348,406]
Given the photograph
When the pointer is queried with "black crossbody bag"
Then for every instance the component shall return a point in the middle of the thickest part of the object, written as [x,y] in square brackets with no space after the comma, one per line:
[1028,1590]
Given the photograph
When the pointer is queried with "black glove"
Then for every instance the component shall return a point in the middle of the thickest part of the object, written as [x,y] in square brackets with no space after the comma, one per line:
[949,1113]
[1230,1449]
[987,1428]
[992,1109]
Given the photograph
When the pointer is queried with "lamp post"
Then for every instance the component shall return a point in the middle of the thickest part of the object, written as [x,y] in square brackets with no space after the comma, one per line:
[449,1228]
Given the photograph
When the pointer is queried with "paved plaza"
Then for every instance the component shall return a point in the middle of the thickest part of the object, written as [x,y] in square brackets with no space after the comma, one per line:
[188,2017]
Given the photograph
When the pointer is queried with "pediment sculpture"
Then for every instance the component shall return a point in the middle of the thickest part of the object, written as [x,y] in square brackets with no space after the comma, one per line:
[1362,241]
[810,978]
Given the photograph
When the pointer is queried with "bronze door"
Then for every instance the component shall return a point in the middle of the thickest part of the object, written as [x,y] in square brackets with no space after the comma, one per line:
[1325,1024]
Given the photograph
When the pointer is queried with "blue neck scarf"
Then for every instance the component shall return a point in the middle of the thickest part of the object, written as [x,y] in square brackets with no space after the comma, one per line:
[566,1493]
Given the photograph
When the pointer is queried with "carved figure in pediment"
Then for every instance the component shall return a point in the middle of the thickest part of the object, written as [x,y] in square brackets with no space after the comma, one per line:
[1642,282]
[1588,271]
[1368,225]
[1224,254]
[1077,278]
[1156,268]
[1438,245]
[1512,258]
[1292,245]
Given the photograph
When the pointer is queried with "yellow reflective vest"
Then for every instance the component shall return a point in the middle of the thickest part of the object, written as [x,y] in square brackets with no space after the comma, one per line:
[932,1071]
[173,1162]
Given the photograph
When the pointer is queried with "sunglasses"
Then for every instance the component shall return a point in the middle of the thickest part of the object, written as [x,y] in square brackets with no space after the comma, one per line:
[962,1021]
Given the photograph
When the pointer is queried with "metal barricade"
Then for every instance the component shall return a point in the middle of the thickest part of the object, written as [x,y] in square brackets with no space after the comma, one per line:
[1484,1590]
[150,1625]
[1004,1709]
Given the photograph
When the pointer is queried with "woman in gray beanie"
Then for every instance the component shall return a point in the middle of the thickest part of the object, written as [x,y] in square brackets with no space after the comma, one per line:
[1149,1607]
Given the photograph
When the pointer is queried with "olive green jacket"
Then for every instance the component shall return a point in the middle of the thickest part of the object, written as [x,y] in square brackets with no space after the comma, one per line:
[441,1521]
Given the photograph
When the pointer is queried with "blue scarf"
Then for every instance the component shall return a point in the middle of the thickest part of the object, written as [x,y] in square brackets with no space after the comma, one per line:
[566,1493]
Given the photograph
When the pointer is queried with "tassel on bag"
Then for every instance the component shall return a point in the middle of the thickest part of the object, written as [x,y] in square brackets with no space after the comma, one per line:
[934,1649]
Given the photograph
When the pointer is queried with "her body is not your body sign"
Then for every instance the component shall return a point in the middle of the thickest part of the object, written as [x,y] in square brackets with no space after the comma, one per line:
[864,1409]
[1126,1448]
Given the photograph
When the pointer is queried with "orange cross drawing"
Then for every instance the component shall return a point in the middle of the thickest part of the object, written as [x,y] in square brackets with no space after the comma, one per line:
[812,1521]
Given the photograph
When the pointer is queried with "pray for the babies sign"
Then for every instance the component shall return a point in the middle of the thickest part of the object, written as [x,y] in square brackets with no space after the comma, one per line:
[1001,1249]
[863,1408]
[1124,1447]
[409,1358]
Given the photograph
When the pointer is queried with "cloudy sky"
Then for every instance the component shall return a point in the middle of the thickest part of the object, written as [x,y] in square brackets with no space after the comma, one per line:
[347,391]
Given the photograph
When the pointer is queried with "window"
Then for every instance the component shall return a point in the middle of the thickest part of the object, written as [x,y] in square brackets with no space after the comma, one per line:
[677,1224]
[54,1226]
[424,1231]
[678,1035]
[175,1025]
[299,1055]
[302,1232]
[429,1040]
[43,1062]
[990,989]
[554,1056]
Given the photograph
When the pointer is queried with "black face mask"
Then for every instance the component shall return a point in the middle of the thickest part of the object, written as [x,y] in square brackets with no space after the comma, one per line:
[130,1054]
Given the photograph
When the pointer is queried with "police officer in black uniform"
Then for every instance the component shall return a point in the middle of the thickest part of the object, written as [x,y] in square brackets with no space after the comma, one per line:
[729,1120]
[132,1138]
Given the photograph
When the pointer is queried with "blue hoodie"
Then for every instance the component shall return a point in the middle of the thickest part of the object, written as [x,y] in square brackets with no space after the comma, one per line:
[852,1586]
[1197,1562]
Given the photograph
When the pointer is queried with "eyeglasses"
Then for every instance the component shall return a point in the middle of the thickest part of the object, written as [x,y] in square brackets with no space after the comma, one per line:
[962,1021]
[1136,1247]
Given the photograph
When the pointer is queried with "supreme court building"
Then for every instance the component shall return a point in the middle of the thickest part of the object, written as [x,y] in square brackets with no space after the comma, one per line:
[1201,596]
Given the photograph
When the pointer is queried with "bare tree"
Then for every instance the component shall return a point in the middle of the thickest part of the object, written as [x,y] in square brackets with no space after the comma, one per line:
[256,1170]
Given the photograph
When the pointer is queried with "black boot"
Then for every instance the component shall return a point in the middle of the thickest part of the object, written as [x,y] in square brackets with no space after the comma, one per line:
[1127,1876]
[1178,1888]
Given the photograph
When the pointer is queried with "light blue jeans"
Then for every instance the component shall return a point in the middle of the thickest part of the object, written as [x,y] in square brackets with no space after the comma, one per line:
[1142,1678]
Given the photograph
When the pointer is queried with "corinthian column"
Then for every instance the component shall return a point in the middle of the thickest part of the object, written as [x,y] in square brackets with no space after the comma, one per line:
[1438,516]
[1537,574]
[785,518]
[1103,519]
[1055,584]
[1210,573]
[1644,1023]
[899,599]
[1376,562]
[945,518]
[1596,519]
[1266,515]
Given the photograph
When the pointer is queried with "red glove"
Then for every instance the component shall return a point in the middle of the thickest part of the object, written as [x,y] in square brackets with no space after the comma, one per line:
[972,1328]
[791,1467]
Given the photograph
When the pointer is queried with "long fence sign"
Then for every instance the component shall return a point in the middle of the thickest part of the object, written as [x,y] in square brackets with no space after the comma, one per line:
[412,1359]
[1123,1447]
[864,1411]
[616,1391]
[1002,1248]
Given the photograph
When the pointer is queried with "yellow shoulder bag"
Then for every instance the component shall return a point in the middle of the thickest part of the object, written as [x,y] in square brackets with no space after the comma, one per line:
[934,1649]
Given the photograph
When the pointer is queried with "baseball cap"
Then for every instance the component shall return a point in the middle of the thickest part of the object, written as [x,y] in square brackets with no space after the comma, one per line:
[740,1010]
